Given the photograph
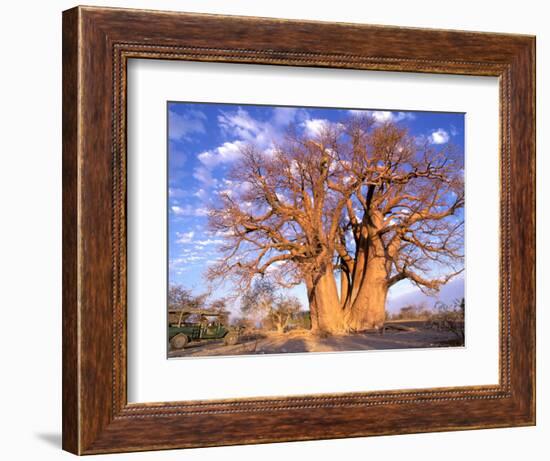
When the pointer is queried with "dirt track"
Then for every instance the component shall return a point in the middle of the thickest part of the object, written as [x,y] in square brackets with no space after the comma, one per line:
[304,341]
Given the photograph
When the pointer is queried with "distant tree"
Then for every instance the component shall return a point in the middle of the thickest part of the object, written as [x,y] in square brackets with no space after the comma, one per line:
[453,312]
[178,297]
[413,311]
[451,317]
[285,308]
[461,306]
[302,320]
[219,305]
[259,299]
[273,308]
[406,312]
[183,298]
[243,322]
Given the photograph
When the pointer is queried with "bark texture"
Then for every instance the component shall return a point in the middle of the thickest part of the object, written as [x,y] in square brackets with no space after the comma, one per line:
[329,314]
[369,306]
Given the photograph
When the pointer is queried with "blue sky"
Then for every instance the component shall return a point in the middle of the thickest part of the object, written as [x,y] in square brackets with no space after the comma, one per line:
[203,144]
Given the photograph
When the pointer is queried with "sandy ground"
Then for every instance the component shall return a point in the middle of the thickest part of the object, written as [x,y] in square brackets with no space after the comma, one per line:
[304,341]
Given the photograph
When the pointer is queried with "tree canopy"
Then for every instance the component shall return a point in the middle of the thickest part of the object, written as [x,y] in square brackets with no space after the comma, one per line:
[362,200]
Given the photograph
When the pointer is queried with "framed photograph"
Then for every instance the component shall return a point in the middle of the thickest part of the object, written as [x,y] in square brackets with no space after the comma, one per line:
[280,230]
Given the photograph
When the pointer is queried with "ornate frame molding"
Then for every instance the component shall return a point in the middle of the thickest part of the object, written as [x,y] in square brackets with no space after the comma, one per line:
[98,43]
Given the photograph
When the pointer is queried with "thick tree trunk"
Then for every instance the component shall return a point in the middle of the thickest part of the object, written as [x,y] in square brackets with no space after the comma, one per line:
[313,314]
[344,288]
[358,272]
[369,307]
[278,322]
[326,313]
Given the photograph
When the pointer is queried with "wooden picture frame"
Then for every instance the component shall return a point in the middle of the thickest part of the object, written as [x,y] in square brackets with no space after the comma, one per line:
[97,43]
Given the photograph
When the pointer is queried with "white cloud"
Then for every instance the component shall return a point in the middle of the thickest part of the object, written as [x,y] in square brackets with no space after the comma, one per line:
[176,192]
[188,210]
[208,242]
[384,116]
[242,129]
[315,126]
[178,210]
[211,262]
[403,116]
[184,237]
[421,140]
[284,115]
[226,153]
[182,210]
[175,263]
[356,112]
[177,156]
[227,233]
[181,125]
[439,136]
[201,211]
[241,125]
[454,130]
[201,194]
[234,188]
[204,175]
[195,258]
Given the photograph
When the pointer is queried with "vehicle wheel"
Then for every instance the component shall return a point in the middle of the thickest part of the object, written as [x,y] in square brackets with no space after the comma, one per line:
[231,338]
[179,341]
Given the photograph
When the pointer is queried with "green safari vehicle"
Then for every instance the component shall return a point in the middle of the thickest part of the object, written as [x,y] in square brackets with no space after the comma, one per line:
[187,325]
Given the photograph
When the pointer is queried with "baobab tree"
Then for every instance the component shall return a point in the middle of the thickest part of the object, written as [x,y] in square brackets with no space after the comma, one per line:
[360,200]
